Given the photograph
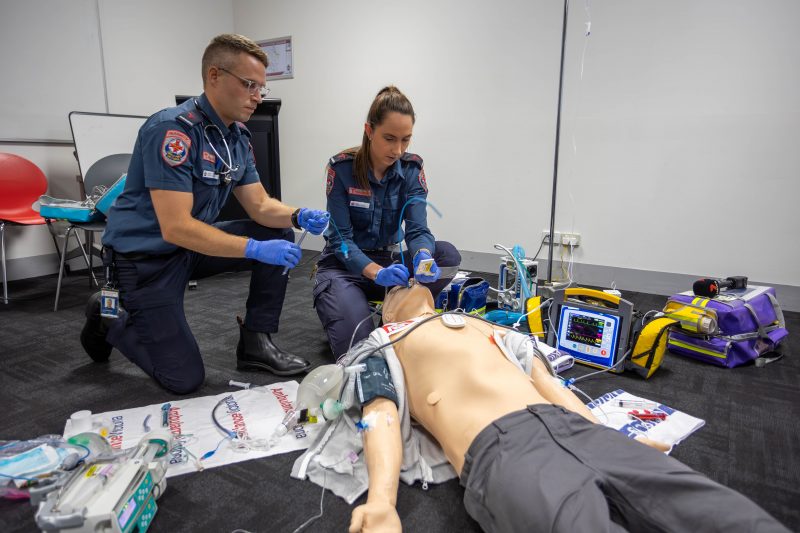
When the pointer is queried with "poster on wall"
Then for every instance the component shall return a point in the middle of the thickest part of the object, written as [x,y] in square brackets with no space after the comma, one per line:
[279,52]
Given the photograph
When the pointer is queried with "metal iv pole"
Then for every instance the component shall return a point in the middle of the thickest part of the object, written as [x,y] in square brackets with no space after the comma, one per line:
[558,138]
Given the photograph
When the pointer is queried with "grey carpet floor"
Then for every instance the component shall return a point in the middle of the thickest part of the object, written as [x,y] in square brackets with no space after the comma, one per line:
[749,442]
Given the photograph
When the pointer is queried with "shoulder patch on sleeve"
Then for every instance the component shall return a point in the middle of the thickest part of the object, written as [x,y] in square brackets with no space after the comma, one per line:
[330,176]
[422,180]
[413,158]
[342,156]
[175,147]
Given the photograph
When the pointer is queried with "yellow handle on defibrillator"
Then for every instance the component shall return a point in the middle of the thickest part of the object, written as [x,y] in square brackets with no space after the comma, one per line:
[600,295]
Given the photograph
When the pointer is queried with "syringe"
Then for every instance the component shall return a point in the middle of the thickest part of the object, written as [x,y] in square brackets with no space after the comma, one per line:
[637,404]
[299,242]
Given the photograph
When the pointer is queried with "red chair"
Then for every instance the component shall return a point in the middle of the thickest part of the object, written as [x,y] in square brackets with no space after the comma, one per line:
[21,184]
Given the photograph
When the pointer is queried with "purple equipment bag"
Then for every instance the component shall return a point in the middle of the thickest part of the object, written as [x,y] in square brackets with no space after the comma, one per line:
[749,324]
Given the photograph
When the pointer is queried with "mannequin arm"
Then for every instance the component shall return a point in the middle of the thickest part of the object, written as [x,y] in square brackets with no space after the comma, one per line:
[383,453]
[558,394]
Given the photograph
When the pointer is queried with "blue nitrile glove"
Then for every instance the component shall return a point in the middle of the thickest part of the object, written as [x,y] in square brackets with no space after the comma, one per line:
[274,252]
[313,220]
[392,275]
[425,278]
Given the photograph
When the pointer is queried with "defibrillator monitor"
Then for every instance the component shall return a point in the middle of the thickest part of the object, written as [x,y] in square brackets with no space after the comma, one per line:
[589,336]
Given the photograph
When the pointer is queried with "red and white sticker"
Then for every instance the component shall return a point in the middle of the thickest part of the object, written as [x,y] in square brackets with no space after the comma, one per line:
[211,158]
[397,327]
[359,192]
[330,176]
[175,148]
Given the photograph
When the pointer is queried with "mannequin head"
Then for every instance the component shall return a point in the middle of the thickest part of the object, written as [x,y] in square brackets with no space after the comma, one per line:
[404,303]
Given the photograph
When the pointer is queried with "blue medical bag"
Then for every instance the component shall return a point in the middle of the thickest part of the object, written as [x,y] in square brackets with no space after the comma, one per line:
[71,210]
[468,294]
[88,210]
[103,204]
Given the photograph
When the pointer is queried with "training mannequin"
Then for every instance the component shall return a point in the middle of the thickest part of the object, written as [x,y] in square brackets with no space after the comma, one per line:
[529,453]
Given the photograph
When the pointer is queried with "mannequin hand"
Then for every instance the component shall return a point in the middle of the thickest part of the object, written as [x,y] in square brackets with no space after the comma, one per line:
[425,278]
[392,275]
[375,517]
[274,252]
[313,220]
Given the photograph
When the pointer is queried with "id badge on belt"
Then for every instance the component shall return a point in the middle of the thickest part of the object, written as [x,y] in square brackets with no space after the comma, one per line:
[109,295]
[109,302]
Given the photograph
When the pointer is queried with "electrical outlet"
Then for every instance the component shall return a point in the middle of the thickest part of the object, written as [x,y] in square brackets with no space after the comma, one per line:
[562,238]
[546,234]
[570,239]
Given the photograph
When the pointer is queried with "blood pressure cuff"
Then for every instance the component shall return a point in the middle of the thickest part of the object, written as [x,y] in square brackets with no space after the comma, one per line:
[375,381]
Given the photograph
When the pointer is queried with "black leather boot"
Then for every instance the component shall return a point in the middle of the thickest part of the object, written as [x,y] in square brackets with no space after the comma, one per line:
[93,334]
[256,350]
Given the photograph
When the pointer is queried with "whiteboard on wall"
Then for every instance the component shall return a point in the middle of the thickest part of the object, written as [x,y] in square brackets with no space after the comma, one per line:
[98,135]
[51,57]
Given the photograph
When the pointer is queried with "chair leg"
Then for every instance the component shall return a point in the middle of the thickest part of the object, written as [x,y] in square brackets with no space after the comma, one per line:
[61,265]
[90,246]
[3,253]
[52,231]
[86,258]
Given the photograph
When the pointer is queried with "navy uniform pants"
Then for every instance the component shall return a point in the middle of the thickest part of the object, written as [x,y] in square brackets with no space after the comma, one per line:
[548,469]
[341,298]
[152,330]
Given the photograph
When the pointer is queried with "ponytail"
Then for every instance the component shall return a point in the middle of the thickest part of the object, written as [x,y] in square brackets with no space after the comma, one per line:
[388,100]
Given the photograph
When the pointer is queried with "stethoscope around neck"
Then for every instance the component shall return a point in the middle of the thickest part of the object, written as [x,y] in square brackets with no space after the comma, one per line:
[229,168]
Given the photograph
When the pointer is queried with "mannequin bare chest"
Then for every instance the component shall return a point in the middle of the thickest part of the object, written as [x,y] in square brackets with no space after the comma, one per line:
[458,382]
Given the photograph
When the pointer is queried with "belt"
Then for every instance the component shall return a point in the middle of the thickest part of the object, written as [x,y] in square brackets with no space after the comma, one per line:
[389,248]
[139,256]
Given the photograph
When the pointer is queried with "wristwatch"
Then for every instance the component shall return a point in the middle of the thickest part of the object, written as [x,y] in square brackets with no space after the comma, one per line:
[295,221]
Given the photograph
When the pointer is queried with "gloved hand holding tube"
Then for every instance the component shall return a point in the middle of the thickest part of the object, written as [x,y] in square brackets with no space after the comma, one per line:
[392,275]
[273,252]
[313,220]
[430,271]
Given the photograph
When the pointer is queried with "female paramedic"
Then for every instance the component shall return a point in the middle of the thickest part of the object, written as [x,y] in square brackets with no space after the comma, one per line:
[371,190]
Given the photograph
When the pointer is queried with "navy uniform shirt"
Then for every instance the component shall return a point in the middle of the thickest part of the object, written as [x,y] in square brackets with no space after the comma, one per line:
[370,219]
[173,153]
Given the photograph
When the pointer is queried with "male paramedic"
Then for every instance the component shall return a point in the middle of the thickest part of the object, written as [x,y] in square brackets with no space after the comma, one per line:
[162,232]
[528,452]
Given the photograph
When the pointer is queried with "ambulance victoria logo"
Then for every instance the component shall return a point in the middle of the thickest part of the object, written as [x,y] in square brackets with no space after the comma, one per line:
[175,147]
[330,176]
[422,180]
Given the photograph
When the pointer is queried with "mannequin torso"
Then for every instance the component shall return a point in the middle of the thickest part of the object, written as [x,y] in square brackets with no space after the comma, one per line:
[458,382]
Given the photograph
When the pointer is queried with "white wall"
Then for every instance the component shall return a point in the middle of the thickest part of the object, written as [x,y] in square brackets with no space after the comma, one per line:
[47,71]
[687,127]
[679,144]
[482,77]
[153,50]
